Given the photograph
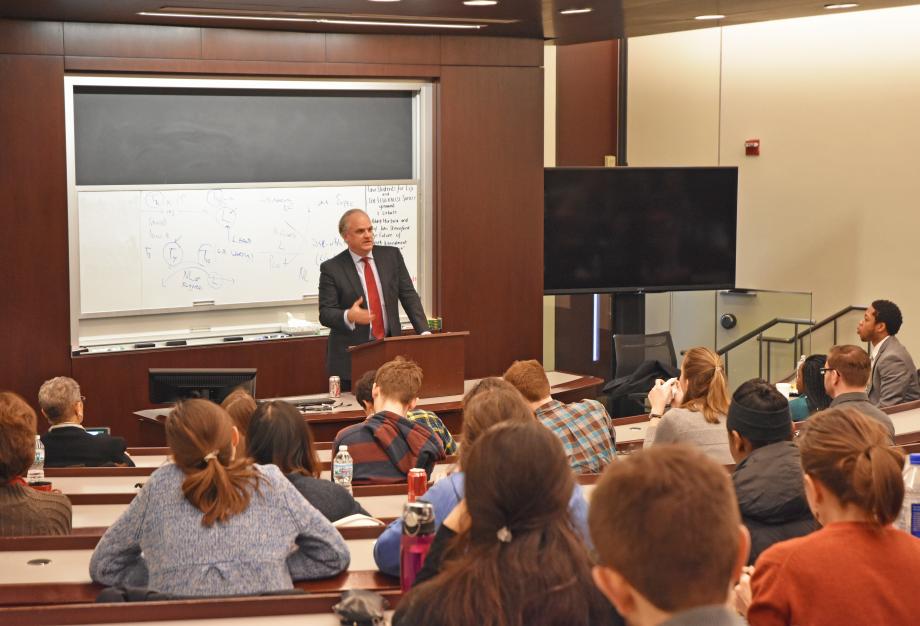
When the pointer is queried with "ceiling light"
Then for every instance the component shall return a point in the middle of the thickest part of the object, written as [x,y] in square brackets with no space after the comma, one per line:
[383,0]
[709,17]
[575,11]
[841,5]
[480,3]
[313,20]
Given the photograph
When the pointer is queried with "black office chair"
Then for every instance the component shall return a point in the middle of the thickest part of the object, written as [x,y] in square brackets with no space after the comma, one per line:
[629,352]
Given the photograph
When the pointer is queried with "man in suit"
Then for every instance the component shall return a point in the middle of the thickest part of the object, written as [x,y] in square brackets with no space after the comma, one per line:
[67,443]
[359,293]
[894,375]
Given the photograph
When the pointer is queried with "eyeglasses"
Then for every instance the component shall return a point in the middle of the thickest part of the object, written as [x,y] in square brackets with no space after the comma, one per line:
[825,370]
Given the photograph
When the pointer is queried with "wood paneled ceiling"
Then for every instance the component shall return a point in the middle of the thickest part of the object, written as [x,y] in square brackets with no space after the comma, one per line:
[608,19]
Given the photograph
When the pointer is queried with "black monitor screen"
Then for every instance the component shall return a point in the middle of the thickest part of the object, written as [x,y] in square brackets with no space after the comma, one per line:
[639,229]
[171,385]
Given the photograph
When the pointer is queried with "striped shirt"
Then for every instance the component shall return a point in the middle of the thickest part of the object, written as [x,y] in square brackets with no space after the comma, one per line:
[585,430]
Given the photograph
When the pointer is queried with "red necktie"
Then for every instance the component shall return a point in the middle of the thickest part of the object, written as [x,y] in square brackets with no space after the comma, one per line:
[373,299]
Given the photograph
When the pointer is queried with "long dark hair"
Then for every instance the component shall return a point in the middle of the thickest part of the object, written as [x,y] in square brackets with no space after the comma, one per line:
[279,434]
[200,435]
[815,395]
[518,486]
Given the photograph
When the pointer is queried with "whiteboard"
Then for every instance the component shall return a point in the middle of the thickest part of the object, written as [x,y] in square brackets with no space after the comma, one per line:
[173,249]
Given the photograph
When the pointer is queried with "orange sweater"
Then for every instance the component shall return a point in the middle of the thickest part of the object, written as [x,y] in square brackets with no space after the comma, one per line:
[846,573]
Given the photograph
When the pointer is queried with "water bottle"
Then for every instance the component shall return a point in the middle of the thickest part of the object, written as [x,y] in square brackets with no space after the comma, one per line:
[343,468]
[909,520]
[37,471]
[417,536]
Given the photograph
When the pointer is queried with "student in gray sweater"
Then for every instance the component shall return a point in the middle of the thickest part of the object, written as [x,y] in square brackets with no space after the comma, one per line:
[212,524]
[279,434]
[698,403]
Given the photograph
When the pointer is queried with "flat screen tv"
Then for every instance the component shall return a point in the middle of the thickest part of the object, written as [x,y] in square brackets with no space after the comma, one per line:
[610,229]
[173,384]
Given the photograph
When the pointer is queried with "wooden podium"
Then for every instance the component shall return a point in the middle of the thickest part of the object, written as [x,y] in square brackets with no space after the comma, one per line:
[441,356]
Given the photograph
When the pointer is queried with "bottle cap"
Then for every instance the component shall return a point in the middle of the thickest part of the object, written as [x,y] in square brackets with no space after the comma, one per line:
[915,458]
[343,448]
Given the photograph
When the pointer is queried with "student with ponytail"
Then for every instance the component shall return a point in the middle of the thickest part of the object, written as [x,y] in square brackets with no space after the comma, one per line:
[699,403]
[198,527]
[858,569]
[508,554]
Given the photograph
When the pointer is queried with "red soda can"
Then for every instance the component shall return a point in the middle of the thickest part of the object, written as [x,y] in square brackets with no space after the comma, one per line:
[418,483]
[335,387]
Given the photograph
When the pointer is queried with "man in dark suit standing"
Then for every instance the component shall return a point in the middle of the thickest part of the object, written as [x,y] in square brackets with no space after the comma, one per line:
[359,293]
[894,375]
[67,444]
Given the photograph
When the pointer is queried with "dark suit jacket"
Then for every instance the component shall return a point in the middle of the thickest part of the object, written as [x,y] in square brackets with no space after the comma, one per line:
[340,286]
[894,375]
[73,446]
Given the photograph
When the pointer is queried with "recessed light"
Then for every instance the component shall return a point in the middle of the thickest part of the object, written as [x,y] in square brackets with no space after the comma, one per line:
[575,11]
[709,17]
[841,5]
[480,3]
[383,0]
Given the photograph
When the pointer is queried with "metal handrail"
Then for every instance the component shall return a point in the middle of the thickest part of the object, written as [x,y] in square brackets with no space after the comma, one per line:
[797,336]
[758,332]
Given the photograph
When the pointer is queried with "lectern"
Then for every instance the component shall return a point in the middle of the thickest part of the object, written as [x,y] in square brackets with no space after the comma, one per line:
[441,357]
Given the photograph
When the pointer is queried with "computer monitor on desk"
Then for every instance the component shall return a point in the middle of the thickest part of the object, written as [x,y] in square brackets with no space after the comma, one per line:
[167,385]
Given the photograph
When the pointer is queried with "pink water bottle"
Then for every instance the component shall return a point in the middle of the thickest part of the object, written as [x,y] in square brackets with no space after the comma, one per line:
[417,536]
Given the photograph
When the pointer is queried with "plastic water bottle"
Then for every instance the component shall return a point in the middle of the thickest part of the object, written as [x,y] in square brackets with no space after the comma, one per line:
[37,471]
[343,468]
[909,519]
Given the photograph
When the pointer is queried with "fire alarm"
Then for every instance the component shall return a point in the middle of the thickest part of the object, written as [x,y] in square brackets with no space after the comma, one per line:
[752,147]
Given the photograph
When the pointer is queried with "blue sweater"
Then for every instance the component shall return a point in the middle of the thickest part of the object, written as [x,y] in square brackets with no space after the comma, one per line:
[160,543]
[444,495]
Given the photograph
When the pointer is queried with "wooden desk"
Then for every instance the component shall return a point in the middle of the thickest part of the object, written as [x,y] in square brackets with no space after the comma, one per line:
[565,387]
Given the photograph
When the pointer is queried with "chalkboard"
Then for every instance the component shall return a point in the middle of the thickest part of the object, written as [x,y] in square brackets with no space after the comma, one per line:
[171,136]
[159,249]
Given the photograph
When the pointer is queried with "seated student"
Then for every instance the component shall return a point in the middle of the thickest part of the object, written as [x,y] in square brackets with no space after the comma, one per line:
[768,473]
[386,445]
[212,523]
[279,434]
[363,390]
[810,384]
[858,569]
[240,406]
[584,428]
[699,402]
[845,378]
[490,402]
[668,538]
[508,554]
[894,374]
[24,510]
[67,443]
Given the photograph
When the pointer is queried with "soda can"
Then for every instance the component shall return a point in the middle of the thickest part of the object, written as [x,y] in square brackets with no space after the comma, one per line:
[335,387]
[418,483]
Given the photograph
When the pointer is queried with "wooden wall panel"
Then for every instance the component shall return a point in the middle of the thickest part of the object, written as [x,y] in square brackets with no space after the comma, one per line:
[131,40]
[20,37]
[115,385]
[490,218]
[399,49]
[586,103]
[491,51]
[261,45]
[34,316]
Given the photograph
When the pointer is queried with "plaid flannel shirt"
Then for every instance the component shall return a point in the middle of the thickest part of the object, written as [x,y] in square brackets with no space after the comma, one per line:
[435,425]
[586,432]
